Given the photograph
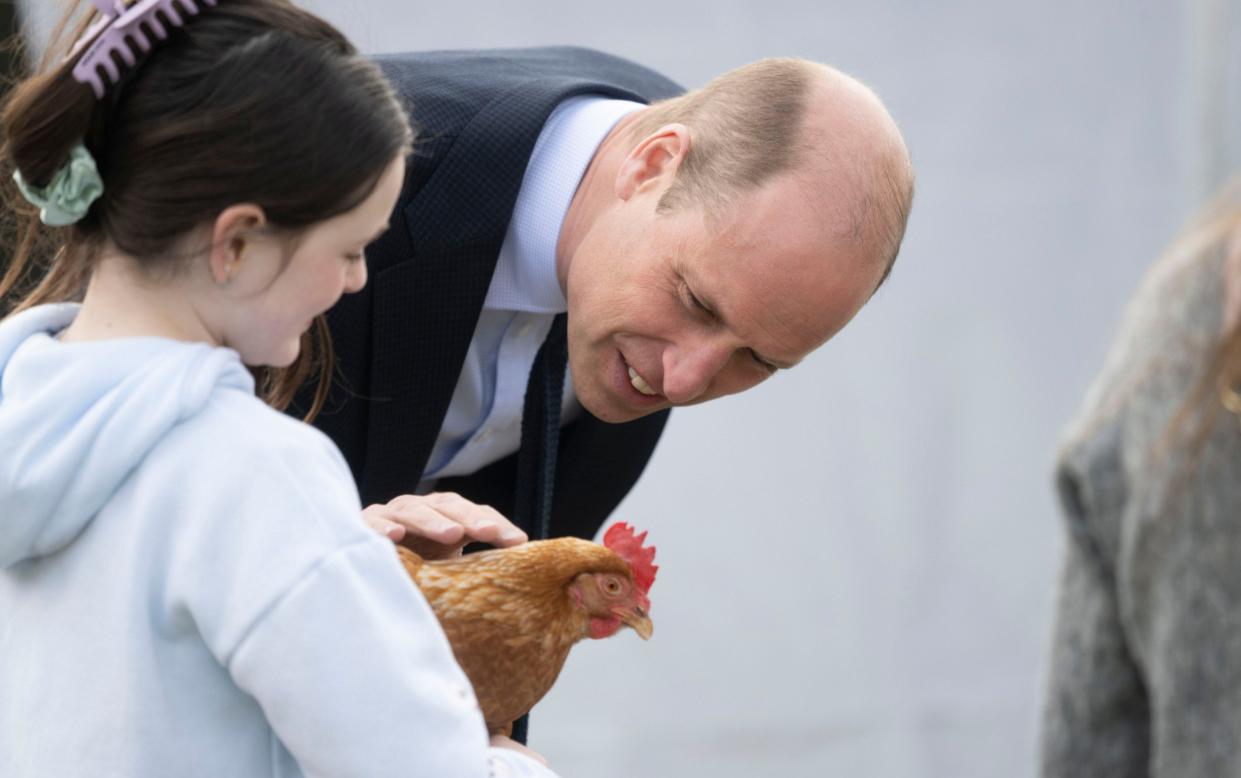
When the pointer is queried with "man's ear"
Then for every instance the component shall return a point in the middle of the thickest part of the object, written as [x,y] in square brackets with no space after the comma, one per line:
[654,162]
[233,228]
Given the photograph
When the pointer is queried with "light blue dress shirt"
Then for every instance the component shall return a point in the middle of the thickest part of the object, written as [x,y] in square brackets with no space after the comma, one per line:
[483,423]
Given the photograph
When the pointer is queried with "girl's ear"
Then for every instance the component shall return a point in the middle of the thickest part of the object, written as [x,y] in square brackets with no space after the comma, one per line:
[233,229]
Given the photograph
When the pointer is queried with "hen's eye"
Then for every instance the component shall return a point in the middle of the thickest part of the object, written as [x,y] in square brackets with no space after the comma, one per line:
[612,586]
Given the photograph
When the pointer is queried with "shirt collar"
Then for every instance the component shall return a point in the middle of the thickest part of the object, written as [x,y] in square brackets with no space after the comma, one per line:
[525,276]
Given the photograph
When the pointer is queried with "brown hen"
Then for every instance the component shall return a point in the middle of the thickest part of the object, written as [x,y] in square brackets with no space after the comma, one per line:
[512,614]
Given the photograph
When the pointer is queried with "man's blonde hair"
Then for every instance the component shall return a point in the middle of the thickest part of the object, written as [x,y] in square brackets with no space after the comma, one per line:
[746,128]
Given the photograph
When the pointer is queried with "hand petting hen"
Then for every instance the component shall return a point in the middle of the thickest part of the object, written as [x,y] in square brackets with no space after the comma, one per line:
[512,614]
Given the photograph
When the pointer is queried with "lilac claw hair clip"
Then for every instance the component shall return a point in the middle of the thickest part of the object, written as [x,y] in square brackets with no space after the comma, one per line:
[126,33]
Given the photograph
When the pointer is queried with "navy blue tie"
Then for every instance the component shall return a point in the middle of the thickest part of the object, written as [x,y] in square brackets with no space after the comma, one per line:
[540,434]
[540,437]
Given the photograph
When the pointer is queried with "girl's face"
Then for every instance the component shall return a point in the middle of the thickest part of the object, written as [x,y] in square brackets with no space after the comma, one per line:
[274,296]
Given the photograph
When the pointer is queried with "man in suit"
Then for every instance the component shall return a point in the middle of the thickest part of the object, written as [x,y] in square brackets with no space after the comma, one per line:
[672,252]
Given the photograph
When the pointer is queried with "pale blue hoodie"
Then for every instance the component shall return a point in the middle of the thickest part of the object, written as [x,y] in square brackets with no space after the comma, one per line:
[187,588]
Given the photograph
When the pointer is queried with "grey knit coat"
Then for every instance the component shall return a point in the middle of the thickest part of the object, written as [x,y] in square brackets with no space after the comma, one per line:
[1145,676]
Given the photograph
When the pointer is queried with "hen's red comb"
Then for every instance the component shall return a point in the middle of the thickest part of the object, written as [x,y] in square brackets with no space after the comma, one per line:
[620,538]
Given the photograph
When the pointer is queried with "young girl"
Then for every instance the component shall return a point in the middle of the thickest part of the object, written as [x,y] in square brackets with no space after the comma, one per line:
[186,586]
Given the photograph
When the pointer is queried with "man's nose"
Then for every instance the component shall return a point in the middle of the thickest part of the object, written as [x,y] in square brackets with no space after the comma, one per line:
[690,370]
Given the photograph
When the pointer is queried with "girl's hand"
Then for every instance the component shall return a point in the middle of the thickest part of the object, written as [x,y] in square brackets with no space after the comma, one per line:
[438,525]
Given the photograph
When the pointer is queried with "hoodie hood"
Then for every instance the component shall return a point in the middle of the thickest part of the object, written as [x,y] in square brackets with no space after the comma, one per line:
[76,419]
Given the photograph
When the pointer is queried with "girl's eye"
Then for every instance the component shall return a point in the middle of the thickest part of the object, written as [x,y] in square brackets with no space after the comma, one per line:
[358,257]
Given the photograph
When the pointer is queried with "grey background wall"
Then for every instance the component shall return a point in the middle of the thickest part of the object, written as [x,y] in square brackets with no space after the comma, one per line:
[859,558]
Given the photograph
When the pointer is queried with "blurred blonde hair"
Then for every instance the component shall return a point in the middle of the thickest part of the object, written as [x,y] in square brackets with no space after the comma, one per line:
[1219,387]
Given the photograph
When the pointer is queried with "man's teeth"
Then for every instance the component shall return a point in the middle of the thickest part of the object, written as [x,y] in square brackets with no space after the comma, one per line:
[640,384]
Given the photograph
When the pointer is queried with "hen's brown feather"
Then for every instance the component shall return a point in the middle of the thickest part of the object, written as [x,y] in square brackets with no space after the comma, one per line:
[510,617]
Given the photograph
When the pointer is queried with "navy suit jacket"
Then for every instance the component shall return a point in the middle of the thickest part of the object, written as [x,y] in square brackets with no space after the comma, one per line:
[400,342]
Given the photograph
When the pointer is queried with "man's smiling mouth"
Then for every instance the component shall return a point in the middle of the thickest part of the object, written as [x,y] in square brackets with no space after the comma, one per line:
[639,383]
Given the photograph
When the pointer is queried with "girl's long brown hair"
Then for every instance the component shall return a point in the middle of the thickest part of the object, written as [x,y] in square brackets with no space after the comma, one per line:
[252,101]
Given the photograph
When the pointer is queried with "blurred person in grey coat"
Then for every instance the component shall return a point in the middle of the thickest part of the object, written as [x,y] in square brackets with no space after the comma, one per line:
[1146,666]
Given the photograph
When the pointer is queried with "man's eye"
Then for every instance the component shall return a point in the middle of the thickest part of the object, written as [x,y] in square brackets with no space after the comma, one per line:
[357,257]
[764,364]
[694,302]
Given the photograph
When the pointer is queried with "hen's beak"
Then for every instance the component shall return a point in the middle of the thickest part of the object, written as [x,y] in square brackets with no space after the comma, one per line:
[636,617]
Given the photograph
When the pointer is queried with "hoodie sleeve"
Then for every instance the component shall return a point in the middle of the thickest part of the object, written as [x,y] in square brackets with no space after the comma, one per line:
[355,678]
[312,615]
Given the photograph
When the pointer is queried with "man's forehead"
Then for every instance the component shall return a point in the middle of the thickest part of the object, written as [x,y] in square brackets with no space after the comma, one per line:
[792,208]
[785,305]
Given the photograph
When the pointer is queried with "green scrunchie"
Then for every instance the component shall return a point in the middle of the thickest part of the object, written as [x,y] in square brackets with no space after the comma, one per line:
[68,196]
